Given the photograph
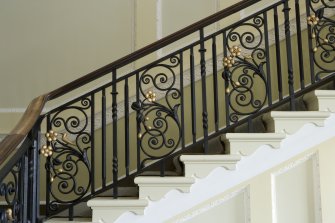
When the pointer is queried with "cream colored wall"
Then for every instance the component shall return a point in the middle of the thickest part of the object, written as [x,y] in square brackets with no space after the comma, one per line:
[300,190]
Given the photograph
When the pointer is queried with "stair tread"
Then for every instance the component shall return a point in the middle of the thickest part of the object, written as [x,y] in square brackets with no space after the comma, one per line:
[223,157]
[120,202]
[299,114]
[165,180]
[253,136]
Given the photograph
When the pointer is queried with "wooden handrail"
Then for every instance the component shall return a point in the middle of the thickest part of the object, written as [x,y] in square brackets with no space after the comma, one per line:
[22,128]
[34,110]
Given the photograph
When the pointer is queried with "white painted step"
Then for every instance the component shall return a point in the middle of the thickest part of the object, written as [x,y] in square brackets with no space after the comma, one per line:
[247,143]
[107,210]
[325,99]
[155,188]
[201,165]
[291,121]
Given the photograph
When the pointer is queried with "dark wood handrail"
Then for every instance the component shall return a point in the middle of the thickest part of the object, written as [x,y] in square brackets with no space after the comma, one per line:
[34,110]
[22,128]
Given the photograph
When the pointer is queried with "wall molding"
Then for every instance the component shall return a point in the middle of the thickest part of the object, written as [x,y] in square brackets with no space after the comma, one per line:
[316,181]
[217,202]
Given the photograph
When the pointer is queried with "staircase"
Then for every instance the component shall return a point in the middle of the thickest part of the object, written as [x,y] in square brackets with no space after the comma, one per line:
[211,104]
[280,125]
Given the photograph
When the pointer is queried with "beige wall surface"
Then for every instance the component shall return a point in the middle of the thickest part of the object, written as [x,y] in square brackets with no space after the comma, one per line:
[300,190]
[46,44]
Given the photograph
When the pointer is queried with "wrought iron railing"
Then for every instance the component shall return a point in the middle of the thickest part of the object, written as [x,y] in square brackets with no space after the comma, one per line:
[143,118]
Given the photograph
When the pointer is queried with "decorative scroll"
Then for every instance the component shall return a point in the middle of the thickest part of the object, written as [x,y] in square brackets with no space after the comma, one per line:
[9,191]
[244,69]
[160,127]
[68,163]
[323,35]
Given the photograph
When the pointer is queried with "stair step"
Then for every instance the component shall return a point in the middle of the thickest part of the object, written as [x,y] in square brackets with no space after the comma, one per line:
[111,209]
[326,100]
[202,165]
[247,143]
[156,187]
[291,121]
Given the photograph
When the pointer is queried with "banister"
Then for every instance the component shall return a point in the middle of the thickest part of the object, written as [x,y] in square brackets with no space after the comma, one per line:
[151,48]
[22,128]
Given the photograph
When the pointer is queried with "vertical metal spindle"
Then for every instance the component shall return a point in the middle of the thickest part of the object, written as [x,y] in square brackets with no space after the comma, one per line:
[310,44]
[115,152]
[267,49]
[299,38]
[202,52]
[25,185]
[182,100]
[38,166]
[21,187]
[34,175]
[250,125]
[103,139]
[138,124]
[215,84]
[126,124]
[71,213]
[92,143]
[278,53]
[193,107]
[286,11]
[225,77]
[162,168]
[48,172]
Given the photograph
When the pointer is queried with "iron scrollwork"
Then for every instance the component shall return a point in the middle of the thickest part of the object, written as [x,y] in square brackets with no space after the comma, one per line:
[160,126]
[323,34]
[244,69]
[9,191]
[68,164]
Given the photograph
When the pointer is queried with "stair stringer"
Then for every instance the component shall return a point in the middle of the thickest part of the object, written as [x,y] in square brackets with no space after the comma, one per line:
[221,179]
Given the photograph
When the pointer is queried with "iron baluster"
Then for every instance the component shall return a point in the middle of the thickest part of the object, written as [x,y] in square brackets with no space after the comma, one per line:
[278,54]
[202,52]
[299,39]
[310,44]
[181,70]
[92,143]
[215,84]
[115,145]
[226,81]
[267,51]
[138,123]
[103,136]
[193,107]
[286,11]
[126,124]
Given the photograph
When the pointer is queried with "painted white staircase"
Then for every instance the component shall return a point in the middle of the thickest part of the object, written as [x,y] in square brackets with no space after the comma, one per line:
[281,125]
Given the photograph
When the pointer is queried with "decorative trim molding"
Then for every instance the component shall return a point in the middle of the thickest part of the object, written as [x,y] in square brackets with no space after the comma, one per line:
[218,202]
[316,180]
